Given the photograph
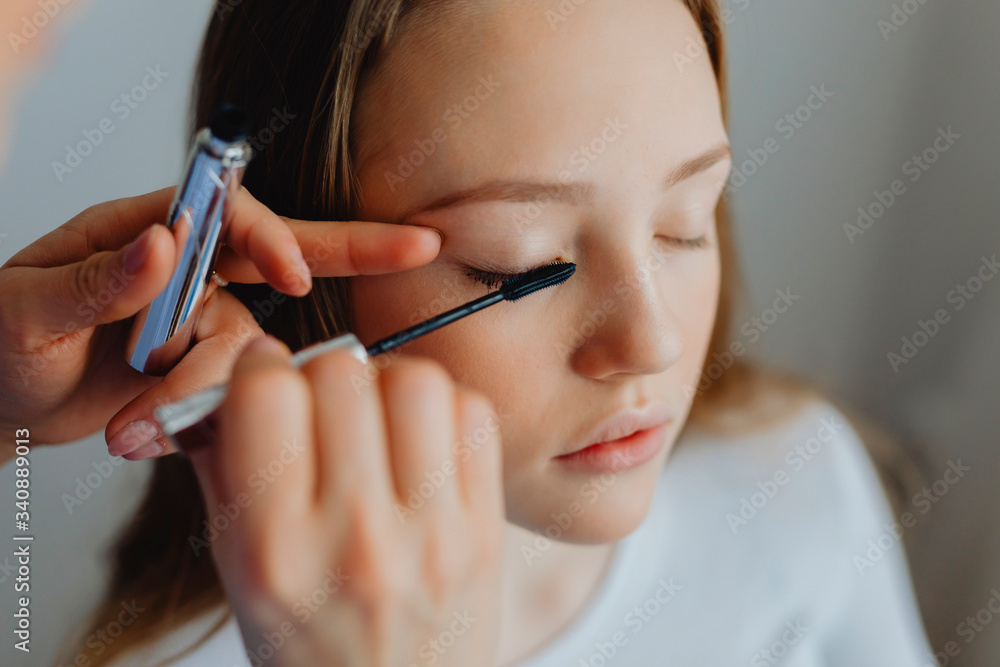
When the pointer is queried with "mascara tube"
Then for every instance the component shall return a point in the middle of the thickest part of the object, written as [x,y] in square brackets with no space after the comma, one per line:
[162,332]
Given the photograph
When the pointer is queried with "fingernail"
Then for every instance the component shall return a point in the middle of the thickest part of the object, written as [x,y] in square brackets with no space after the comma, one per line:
[135,435]
[150,450]
[300,264]
[138,251]
[439,233]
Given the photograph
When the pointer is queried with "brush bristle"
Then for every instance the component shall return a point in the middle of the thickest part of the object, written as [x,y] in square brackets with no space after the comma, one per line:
[537,279]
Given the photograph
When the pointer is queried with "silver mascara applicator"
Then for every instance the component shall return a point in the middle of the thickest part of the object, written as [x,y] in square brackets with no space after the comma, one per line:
[161,332]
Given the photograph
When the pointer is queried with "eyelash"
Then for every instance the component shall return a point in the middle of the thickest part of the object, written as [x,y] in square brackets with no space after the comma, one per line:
[495,279]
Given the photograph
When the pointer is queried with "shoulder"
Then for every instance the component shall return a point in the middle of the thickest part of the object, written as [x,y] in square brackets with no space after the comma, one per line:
[212,638]
[789,466]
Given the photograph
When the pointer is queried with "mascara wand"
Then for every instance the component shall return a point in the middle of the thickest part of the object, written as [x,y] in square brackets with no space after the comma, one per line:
[511,290]
[190,422]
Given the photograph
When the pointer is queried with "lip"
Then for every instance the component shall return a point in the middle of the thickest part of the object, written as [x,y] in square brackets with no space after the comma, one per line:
[635,434]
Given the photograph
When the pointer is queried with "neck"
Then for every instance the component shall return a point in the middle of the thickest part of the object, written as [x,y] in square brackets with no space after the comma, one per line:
[545,585]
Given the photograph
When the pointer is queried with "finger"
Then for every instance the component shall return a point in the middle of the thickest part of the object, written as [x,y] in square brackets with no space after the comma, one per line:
[266,448]
[105,287]
[351,248]
[106,226]
[478,453]
[352,458]
[420,404]
[224,329]
[331,249]
[261,237]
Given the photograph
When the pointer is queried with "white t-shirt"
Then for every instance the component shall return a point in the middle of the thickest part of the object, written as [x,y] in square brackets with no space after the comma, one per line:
[776,548]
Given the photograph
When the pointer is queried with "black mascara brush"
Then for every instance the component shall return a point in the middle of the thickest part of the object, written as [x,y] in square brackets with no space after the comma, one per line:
[190,421]
[511,290]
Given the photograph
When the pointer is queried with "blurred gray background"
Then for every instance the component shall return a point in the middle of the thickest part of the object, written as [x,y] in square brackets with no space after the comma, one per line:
[892,93]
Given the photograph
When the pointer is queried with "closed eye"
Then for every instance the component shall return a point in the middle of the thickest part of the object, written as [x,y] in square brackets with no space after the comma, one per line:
[491,278]
[495,279]
[687,244]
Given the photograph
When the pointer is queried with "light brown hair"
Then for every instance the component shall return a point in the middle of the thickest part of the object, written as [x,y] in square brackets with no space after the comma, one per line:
[306,58]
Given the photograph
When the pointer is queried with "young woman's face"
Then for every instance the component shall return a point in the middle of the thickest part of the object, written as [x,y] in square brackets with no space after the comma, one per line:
[597,136]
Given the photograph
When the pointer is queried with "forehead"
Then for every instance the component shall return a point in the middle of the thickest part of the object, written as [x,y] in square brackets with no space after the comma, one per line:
[513,88]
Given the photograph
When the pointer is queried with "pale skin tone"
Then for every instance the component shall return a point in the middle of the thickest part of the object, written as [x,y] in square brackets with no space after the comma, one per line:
[554,91]
[558,88]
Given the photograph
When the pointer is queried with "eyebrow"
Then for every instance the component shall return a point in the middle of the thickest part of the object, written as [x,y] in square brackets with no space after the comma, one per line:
[574,194]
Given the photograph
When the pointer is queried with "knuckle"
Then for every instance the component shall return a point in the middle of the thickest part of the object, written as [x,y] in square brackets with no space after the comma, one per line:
[334,365]
[366,557]
[258,386]
[87,279]
[266,570]
[91,213]
[445,562]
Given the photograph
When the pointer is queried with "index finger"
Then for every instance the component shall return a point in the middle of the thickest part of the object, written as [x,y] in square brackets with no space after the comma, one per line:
[265,247]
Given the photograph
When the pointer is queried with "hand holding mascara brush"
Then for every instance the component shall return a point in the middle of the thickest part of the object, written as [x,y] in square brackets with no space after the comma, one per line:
[189,421]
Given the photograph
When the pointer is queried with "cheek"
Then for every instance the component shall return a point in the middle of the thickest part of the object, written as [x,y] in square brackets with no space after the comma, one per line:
[474,350]
[694,303]
[478,351]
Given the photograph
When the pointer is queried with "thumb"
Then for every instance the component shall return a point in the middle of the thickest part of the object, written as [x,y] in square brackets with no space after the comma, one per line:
[107,286]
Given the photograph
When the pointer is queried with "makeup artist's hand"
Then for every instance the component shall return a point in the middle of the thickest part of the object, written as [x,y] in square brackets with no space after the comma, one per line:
[323,545]
[63,373]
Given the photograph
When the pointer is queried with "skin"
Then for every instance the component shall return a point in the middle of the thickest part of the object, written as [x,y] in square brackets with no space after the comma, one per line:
[65,300]
[557,87]
[652,344]
[370,434]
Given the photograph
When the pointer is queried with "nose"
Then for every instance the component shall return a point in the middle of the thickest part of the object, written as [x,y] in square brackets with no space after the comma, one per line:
[626,327]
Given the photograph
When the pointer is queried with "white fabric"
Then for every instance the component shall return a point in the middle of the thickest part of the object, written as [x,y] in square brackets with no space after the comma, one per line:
[793,585]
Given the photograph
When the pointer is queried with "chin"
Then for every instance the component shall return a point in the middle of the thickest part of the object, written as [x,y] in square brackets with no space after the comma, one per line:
[596,510]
